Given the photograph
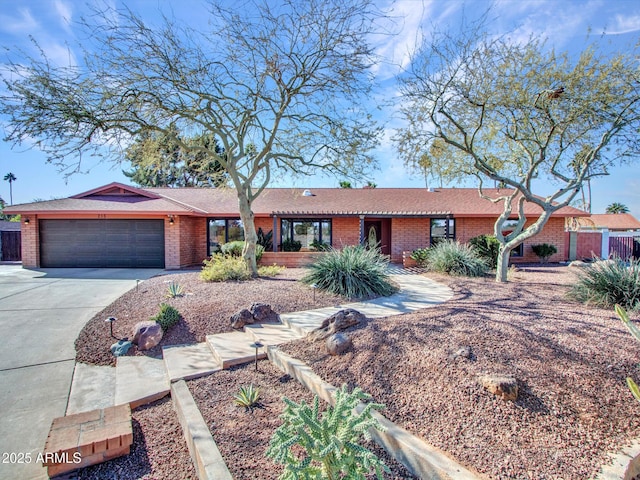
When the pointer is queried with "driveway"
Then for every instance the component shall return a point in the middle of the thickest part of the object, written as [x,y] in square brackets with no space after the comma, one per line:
[41,314]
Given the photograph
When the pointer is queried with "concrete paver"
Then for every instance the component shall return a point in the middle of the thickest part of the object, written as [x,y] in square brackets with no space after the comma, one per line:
[191,361]
[140,380]
[233,348]
[272,334]
[93,387]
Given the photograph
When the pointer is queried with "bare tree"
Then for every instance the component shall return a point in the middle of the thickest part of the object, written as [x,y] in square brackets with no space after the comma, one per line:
[280,87]
[519,114]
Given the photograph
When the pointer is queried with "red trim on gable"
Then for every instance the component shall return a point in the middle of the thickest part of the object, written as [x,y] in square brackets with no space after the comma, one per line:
[116,188]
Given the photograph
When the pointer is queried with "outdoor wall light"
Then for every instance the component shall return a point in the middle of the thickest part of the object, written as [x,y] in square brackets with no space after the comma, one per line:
[111,320]
[26,221]
[170,219]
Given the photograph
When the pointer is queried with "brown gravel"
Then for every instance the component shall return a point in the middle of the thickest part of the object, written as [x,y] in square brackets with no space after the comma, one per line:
[159,450]
[242,436]
[570,360]
[205,308]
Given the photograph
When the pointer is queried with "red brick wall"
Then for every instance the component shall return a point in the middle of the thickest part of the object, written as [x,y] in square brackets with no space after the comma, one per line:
[30,242]
[193,240]
[407,234]
[290,259]
[346,231]
[589,244]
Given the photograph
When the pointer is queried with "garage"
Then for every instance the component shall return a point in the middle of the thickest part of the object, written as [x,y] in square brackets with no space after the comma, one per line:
[102,243]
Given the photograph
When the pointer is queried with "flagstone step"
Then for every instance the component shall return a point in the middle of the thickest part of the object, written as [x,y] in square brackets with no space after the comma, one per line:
[185,362]
[269,334]
[92,388]
[140,380]
[305,322]
[233,348]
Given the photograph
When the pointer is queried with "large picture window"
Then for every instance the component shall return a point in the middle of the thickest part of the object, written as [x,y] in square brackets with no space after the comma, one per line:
[442,229]
[306,231]
[223,230]
[507,227]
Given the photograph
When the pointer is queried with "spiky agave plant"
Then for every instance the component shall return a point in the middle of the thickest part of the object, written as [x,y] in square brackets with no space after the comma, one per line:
[328,440]
[248,397]
[174,290]
[635,331]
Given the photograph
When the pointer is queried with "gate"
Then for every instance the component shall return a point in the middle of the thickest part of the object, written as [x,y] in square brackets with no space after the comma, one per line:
[10,250]
[624,245]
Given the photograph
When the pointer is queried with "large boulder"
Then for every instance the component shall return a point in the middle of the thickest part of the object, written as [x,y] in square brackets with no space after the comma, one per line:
[120,348]
[338,343]
[147,334]
[337,322]
[264,313]
[241,318]
[503,386]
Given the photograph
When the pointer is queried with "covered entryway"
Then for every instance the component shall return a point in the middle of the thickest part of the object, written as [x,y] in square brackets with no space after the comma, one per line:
[378,232]
[102,243]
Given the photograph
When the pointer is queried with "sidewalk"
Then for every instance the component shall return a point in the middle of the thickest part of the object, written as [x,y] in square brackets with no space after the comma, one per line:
[139,380]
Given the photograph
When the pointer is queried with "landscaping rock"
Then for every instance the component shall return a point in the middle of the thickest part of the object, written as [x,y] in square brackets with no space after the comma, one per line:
[462,353]
[264,313]
[578,264]
[242,318]
[147,334]
[121,347]
[503,386]
[338,343]
[337,322]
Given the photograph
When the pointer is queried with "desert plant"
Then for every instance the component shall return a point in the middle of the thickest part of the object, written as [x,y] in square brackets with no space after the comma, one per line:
[167,317]
[315,445]
[488,248]
[607,283]
[455,258]
[248,397]
[320,246]
[220,268]
[635,331]
[353,272]
[175,290]
[544,251]
[270,270]
[265,239]
[420,256]
[291,246]
[233,248]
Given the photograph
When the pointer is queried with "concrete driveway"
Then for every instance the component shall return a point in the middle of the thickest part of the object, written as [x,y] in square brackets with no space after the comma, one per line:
[41,314]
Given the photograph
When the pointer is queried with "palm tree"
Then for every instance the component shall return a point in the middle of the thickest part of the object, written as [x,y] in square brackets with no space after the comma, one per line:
[615,207]
[10,177]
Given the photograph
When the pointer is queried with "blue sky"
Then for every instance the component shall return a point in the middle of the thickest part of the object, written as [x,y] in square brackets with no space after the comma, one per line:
[566,23]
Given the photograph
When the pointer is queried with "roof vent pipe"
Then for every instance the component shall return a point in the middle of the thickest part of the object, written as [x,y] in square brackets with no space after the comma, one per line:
[430,189]
[307,193]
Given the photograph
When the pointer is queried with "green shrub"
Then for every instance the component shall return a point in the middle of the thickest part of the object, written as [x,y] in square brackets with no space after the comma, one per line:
[320,247]
[607,283]
[544,251]
[420,256]
[487,247]
[220,268]
[270,270]
[311,444]
[167,317]
[235,249]
[291,246]
[353,272]
[455,258]
[247,397]
[265,239]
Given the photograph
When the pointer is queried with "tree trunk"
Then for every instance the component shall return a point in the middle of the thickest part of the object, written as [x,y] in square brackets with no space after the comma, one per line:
[502,268]
[250,236]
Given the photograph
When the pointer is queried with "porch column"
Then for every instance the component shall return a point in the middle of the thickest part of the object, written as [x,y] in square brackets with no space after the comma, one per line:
[275,236]
[604,246]
[446,226]
[361,229]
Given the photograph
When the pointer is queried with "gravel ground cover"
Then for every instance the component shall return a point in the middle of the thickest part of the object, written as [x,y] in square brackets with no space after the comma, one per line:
[570,361]
[205,308]
[159,450]
[242,436]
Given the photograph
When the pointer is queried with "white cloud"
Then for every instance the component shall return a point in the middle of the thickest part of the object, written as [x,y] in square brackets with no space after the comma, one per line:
[59,54]
[64,12]
[22,23]
[624,24]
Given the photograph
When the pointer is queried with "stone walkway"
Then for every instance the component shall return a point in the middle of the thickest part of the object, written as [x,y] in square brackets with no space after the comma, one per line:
[139,380]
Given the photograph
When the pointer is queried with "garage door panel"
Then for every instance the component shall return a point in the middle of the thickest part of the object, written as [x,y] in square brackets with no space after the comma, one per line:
[102,243]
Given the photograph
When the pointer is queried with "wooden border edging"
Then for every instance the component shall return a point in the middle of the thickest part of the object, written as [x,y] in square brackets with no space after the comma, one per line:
[205,455]
[420,458]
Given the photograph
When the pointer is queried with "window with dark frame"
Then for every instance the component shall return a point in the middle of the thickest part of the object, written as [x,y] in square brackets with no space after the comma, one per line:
[440,230]
[221,231]
[507,228]
[306,231]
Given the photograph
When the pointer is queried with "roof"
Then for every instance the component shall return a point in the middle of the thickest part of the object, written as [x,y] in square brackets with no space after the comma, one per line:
[611,221]
[323,202]
[9,226]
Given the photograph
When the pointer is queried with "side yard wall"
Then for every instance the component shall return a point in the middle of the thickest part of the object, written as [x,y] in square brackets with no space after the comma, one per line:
[407,234]
[588,245]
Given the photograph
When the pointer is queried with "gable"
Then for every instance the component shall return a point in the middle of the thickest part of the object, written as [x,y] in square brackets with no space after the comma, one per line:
[116,189]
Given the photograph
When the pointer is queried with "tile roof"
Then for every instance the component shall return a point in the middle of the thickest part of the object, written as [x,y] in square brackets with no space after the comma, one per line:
[612,221]
[285,202]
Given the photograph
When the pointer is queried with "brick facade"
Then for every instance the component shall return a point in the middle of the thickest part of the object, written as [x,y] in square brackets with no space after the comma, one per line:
[345,231]
[407,234]
[30,242]
[588,245]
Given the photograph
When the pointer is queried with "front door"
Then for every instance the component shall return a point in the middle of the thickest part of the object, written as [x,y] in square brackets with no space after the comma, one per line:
[374,234]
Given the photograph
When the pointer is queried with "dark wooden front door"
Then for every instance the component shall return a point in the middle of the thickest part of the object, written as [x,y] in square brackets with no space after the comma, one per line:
[376,231]
[11,246]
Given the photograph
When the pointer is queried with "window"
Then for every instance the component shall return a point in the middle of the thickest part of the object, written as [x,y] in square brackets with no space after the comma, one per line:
[442,229]
[507,228]
[222,231]
[305,231]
